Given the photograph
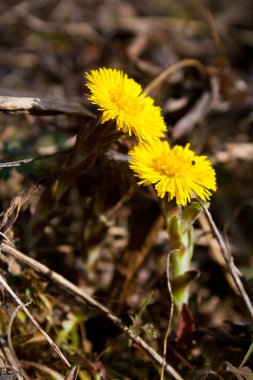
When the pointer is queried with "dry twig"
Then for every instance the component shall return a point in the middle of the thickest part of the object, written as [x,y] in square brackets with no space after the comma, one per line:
[157,82]
[37,106]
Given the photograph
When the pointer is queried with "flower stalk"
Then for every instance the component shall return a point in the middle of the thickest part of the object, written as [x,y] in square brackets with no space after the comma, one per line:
[179,224]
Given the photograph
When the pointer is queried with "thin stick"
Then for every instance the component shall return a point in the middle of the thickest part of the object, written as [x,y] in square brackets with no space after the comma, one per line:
[81,294]
[26,161]
[171,70]
[35,323]
[7,358]
[235,273]
[43,368]
[165,344]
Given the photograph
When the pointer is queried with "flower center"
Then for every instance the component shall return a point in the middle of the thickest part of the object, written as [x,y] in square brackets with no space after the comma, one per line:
[129,104]
[172,165]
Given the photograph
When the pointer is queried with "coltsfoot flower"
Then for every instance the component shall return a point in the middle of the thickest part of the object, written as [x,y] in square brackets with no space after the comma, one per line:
[176,172]
[121,99]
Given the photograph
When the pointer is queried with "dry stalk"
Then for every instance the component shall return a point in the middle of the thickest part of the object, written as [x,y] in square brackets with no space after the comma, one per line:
[234,271]
[170,315]
[23,373]
[43,368]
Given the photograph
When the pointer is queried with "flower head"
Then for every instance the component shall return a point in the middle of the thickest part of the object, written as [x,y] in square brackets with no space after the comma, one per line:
[176,171]
[121,99]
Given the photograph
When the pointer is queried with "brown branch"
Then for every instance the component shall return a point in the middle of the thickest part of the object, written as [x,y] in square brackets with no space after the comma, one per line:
[83,296]
[37,106]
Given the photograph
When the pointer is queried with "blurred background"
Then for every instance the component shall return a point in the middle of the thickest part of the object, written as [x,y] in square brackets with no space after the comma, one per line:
[104,233]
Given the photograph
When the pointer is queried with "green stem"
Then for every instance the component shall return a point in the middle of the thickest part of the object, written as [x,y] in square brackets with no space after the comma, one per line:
[179,225]
[181,260]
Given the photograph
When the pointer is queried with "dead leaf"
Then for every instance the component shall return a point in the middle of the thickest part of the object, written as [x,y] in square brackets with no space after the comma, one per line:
[243,373]
[10,215]
[185,325]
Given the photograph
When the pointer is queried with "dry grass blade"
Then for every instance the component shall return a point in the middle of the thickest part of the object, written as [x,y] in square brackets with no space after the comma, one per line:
[43,368]
[72,374]
[24,375]
[35,323]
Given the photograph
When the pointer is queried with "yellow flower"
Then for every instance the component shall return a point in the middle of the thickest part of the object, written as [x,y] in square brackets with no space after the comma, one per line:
[176,171]
[121,99]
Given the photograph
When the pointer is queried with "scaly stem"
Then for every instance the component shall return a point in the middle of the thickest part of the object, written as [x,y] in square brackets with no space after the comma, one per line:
[181,260]
[179,225]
